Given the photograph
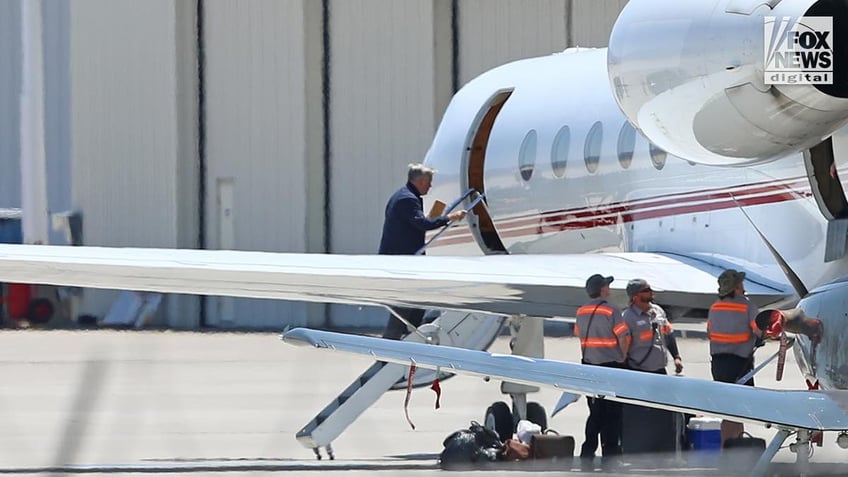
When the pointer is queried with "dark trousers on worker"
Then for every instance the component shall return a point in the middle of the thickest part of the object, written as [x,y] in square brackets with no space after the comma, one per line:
[396,329]
[604,420]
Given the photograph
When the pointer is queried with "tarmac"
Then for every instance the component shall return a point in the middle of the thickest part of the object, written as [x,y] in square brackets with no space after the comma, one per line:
[225,404]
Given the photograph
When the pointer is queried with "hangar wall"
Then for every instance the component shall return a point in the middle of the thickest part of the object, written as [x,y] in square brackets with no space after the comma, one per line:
[10,90]
[133,131]
[276,125]
[258,94]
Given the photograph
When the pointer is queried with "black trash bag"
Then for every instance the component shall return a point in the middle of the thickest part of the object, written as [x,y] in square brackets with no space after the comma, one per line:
[470,448]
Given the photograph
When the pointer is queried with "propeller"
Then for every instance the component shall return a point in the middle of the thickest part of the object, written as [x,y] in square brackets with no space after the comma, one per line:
[774,322]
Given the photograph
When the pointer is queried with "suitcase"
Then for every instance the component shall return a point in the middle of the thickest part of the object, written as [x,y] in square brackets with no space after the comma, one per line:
[746,442]
[740,454]
[551,446]
[649,430]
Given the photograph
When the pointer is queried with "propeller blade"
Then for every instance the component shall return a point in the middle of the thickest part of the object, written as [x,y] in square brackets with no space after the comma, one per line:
[793,278]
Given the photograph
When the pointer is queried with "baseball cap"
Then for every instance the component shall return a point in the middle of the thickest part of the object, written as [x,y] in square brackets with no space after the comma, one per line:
[728,280]
[595,283]
[635,286]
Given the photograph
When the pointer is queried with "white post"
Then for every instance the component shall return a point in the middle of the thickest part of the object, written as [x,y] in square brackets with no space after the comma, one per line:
[33,161]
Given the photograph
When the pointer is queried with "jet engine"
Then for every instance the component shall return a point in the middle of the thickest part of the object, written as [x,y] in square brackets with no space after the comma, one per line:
[733,82]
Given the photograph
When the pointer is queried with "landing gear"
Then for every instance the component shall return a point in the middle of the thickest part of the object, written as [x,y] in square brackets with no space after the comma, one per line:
[503,421]
[536,414]
[499,418]
[801,447]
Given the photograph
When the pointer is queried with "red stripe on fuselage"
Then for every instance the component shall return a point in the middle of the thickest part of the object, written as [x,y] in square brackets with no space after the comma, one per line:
[641,209]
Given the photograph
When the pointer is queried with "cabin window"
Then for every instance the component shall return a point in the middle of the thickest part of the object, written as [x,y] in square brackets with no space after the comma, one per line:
[658,156]
[592,148]
[559,153]
[626,143]
[527,155]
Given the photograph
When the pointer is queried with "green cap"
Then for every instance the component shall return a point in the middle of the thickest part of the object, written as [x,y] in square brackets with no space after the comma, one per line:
[728,281]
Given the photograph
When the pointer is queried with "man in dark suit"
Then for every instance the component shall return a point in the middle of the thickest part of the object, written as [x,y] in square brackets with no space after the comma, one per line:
[404,230]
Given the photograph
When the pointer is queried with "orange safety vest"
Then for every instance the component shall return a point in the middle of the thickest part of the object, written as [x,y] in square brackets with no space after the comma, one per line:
[730,326]
[598,327]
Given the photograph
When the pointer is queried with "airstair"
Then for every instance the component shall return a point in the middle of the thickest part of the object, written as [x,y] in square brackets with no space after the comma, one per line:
[451,328]
[446,328]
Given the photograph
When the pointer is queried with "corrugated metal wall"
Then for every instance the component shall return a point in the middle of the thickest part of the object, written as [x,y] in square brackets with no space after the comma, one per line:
[383,89]
[10,90]
[382,115]
[256,140]
[494,32]
[131,131]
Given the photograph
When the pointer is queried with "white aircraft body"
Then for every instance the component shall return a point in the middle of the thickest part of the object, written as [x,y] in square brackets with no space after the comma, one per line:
[571,189]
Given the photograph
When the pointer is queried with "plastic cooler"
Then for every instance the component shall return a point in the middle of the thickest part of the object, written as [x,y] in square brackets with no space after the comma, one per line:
[704,434]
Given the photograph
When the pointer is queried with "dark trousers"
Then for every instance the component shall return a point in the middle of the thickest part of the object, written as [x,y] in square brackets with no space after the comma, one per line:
[396,329]
[729,368]
[604,419]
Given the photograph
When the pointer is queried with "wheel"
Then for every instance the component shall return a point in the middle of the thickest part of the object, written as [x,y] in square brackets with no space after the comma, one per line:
[40,311]
[499,418]
[537,415]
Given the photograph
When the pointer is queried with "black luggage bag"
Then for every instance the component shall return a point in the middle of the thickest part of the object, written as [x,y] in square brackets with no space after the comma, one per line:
[649,430]
[740,454]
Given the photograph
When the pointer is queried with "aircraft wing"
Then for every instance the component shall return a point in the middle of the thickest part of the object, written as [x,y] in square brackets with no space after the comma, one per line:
[532,285]
[816,410]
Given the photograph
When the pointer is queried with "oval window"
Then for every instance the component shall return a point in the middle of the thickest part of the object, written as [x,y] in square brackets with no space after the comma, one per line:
[592,148]
[626,143]
[658,156]
[559,153]
[527,155]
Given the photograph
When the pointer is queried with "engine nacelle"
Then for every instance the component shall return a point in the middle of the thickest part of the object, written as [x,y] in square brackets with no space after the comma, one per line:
[691,75]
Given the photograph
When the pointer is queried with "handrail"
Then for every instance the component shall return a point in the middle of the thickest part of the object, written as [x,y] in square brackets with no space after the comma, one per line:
[448,225]
[453,204]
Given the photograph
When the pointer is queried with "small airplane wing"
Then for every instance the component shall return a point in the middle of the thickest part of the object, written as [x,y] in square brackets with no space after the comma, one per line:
[544,286]
[815,410]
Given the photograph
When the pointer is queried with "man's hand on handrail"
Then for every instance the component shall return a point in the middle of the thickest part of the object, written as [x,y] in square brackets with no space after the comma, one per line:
[456,215]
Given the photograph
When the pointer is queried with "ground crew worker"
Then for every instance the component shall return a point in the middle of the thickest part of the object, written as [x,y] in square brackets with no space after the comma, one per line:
[650,334]
[733,333]
[403,233]
[661,319]
[603,342]
[647,350]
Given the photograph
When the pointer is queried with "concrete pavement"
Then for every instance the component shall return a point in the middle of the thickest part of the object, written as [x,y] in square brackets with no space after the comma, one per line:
[174,403]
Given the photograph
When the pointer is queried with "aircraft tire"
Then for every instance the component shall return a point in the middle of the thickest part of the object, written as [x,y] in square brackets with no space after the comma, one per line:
[499,417]
[537,415]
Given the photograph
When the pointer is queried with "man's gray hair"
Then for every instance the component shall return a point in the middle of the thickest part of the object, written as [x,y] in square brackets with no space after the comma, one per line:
[417,170]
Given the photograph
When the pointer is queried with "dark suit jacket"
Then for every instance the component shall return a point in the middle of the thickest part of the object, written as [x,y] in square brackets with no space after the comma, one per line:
[405,223]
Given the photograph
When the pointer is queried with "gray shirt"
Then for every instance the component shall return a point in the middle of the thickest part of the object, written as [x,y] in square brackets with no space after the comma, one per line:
[647,349]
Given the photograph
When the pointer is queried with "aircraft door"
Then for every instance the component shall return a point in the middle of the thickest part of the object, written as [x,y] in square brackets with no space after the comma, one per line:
[821,164]
[480,222]
[821,169]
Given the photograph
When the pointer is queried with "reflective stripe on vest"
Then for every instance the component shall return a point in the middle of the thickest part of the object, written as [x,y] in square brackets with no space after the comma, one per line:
[729,306]
[596,309]
[729,327]
[599,342]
